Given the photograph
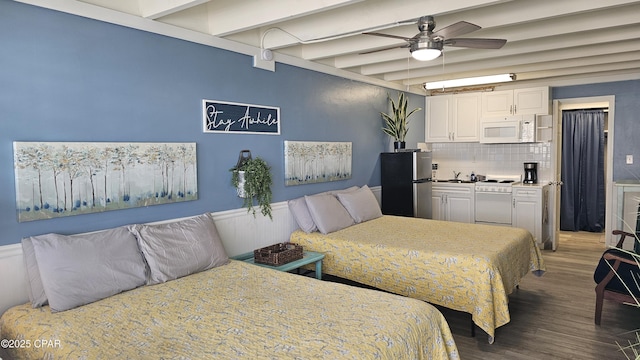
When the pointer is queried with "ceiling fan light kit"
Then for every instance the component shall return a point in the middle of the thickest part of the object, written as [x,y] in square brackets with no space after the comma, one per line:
[426,50]
[480,80]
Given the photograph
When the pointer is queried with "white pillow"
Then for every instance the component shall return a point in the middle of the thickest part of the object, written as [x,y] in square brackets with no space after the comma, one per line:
[361,204]
[80,269]
[327,213]
[180,248]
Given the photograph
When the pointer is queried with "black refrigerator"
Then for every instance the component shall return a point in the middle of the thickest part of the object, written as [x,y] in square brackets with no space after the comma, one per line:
[406,183]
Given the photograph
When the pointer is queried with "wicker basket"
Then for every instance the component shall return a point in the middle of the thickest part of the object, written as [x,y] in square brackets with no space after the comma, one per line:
[278,254]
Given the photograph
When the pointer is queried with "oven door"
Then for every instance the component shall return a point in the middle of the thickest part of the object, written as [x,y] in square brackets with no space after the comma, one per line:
[493,208]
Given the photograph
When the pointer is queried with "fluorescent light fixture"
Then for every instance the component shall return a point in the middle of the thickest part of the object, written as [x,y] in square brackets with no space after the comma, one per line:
[470,81]
[425,54]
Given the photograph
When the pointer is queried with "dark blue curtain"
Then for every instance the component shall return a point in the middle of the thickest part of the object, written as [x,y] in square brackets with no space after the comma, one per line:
[582,192]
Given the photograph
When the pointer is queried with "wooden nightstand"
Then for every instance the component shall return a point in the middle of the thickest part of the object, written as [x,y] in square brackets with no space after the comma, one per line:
[308,257]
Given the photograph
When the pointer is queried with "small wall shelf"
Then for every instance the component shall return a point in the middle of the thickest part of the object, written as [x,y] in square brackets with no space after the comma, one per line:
[544,128]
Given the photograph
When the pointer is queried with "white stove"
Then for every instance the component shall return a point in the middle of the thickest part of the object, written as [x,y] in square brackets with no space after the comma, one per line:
[493,199]
[498,183]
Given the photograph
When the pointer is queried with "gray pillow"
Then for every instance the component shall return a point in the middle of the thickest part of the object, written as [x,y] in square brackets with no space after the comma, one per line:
[37,296]
[80,269]
[327,213]
[180,248]
[341,191]
[300,211]
[361,204]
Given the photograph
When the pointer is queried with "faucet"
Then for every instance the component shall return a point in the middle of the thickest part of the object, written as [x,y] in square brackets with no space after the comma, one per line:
[456,174]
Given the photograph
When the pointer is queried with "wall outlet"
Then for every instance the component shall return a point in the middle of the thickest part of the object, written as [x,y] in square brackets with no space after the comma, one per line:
[629,159]
[434,166]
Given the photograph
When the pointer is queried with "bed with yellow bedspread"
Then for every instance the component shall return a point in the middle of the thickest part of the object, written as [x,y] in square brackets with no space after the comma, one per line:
[234,311]
[466,267]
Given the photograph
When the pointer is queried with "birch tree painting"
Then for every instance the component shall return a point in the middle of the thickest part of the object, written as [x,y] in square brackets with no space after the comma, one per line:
[312,162]
[55,179]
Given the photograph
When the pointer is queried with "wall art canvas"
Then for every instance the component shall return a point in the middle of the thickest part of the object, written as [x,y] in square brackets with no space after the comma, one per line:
[307,162]
[238,118]
[56,179]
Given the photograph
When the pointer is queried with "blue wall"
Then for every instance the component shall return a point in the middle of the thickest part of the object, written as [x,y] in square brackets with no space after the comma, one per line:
[626,123]
[68,78]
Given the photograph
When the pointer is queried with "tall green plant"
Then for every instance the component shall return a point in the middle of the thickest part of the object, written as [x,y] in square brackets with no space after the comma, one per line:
[396,122]
[257,185]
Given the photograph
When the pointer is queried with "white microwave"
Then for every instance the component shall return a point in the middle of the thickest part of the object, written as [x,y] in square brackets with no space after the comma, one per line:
[510,129]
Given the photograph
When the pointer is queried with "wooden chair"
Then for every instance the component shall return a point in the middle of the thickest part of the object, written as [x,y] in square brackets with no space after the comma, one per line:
[609,286]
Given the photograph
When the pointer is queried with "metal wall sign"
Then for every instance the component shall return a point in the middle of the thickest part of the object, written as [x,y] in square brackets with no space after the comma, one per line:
[230,117]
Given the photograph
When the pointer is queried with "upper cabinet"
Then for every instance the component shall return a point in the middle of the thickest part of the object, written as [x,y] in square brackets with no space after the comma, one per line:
[516,102]
[453,118]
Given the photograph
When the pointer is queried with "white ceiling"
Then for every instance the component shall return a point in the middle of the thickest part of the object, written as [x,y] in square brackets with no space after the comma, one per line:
[548,41]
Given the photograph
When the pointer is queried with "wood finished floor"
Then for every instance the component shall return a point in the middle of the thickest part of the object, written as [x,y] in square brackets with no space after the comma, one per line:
[552,315]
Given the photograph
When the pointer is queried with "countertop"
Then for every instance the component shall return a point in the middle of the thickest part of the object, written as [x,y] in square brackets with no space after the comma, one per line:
[449,181]
[538,185]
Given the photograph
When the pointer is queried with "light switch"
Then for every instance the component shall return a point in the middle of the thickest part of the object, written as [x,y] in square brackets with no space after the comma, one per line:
[629,159]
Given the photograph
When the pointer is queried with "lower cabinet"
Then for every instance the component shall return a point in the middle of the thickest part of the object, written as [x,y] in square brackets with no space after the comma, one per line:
[530,211]
[453,202]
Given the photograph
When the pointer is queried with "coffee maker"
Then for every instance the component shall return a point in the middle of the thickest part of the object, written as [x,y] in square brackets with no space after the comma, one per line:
[530,173]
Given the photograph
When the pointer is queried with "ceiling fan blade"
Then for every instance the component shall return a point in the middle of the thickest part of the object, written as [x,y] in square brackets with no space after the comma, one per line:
[384,49]
[387,35]
[476,43]
[457,29]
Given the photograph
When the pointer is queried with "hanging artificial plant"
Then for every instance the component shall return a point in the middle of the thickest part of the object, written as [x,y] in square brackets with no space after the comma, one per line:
[252,178]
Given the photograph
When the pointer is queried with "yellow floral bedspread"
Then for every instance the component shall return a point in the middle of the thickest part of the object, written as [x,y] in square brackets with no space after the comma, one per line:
[234,311]
[466,267]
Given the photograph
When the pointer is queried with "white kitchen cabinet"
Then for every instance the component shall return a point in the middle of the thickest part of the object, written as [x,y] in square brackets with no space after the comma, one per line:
[515,102]
[453,118]
[530,210]
[453,202]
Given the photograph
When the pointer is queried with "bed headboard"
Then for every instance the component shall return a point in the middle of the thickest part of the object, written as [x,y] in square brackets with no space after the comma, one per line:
[239,230]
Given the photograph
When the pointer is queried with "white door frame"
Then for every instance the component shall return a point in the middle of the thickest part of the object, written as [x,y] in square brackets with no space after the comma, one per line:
[609,102]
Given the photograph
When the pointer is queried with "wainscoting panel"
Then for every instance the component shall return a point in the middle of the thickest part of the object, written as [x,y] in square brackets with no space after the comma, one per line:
[13,277]
[239,230]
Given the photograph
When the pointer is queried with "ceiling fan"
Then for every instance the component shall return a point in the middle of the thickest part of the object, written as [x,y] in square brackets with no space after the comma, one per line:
[427,44]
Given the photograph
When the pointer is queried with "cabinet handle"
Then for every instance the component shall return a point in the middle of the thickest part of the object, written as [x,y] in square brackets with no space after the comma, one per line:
[515,108]
[514,203]
[511,109]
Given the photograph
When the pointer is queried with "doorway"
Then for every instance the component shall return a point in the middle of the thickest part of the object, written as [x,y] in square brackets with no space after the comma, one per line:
[582,174]
[599,102]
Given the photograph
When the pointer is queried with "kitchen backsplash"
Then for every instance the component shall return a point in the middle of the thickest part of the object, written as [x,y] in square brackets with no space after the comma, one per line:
[495,159]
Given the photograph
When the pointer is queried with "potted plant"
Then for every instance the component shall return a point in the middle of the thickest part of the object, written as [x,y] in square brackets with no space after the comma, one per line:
[396,123]
[252,179]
